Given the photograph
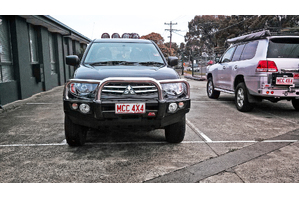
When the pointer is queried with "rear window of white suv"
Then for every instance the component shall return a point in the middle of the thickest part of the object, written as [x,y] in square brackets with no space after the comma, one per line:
[283,48]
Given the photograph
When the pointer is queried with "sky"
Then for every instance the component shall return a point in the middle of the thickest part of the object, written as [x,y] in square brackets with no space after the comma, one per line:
[93,26]
[92,18]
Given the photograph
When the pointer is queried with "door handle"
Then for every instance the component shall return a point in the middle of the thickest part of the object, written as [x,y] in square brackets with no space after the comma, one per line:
[224,67]
[235,67]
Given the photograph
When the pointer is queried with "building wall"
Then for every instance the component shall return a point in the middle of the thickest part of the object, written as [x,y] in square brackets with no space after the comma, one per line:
[31,76]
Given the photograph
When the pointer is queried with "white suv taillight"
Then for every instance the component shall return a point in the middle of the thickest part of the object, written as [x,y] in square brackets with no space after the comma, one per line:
[266,66]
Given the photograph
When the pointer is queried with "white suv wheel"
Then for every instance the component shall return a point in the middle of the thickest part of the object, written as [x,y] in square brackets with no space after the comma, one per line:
[240,97]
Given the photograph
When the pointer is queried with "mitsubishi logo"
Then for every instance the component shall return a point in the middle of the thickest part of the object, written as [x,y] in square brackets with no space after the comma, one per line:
[129,90]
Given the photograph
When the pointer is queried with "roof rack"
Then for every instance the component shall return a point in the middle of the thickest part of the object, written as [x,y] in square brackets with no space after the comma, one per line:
[265,33]
[249,37]
[275,31]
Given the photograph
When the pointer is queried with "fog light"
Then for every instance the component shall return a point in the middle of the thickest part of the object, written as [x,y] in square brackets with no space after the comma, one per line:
[74,106]
[84,108]
[172,107]
[180,104]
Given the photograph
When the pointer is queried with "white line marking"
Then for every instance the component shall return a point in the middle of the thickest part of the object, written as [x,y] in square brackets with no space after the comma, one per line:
[207,139]
[42,103]
[50,144]
[63,143]
[280,141]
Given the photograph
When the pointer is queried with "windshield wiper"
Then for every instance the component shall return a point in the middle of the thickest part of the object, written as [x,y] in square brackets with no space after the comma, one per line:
[149,63]
[101,63]
[125,63]
[105,63]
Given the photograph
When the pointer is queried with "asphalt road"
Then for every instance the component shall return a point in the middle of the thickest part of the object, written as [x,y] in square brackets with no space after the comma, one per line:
[221,145]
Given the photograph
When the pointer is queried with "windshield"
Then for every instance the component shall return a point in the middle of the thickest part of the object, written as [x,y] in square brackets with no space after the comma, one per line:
[123,53]
[283,48]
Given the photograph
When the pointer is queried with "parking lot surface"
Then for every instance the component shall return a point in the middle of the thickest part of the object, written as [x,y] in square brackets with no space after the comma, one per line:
[221,145]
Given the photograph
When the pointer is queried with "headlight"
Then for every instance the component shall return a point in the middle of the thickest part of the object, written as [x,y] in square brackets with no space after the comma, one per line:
[85,90]
[174,90]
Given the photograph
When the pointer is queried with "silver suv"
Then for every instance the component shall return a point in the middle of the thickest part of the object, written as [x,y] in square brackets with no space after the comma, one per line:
[255,67]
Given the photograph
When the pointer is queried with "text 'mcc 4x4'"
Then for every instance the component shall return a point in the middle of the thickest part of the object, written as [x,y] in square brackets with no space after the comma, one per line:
[124,81]
[257,66]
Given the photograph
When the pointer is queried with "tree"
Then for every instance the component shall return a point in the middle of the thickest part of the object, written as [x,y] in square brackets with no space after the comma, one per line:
[201,32]
[174,48]
[159,40]
[210,32]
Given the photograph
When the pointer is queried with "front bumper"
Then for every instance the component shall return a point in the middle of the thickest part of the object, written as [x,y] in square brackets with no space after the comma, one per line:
[102,112]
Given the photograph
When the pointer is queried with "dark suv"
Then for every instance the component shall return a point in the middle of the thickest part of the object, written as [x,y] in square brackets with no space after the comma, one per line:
[124,82]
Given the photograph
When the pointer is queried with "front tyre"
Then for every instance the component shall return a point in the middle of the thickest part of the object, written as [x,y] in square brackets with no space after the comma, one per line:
[295,103]
[241,98]
[210,89]
[174,133]
[75,134]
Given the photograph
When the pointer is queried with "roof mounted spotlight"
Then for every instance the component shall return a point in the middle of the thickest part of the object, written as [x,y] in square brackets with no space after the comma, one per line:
[115,35]
[134,36]
[126,35]
[105,36]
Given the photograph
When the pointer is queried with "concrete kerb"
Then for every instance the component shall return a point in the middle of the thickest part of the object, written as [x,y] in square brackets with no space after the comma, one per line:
[195,77]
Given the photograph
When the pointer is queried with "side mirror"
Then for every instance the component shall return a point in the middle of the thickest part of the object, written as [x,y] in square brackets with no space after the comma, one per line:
[72,60]
[172,61]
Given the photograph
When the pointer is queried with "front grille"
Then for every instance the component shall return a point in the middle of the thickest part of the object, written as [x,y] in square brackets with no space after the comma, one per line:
[129,90]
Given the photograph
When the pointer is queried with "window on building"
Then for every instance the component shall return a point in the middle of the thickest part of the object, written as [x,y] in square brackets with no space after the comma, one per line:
[52,48]
[33,42]
[6,65]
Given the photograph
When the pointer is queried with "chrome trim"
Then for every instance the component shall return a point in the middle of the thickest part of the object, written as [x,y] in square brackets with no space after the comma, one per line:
[127,80]
[112,91]
[115,86]
[106,89]
[146,91]
[290,70]
[223,90]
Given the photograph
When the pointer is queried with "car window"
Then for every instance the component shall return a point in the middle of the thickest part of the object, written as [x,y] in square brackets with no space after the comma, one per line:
[283,48]
[249,50]
[238,52]
[129,52]
[228,55]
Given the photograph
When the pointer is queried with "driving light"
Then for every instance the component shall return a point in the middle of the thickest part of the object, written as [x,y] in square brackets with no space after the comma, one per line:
[84,108]
[115,35]
[126,35]
[105,35]
[172,107]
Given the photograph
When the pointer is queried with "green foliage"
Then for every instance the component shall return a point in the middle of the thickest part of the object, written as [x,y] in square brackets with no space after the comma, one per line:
[208,33]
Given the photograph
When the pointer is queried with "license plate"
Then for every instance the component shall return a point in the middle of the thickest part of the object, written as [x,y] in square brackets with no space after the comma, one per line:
[130,108]
[284,80]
